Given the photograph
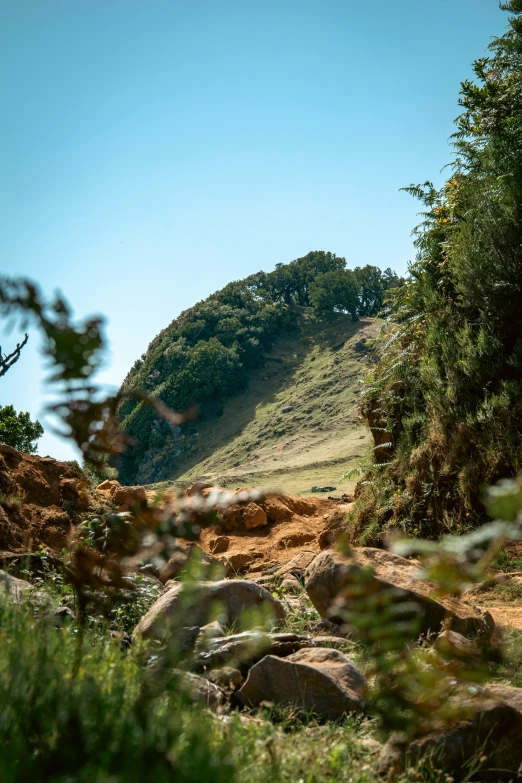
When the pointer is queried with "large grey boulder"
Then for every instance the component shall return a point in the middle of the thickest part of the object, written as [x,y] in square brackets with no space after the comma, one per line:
[231,601]
[334,582]
[17,590]
[321,681]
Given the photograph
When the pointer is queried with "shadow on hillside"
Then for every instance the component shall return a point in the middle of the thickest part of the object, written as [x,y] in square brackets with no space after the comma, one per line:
[267,386]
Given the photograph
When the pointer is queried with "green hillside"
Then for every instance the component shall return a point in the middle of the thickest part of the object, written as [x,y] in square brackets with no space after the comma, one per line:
[225,346]
[297,425]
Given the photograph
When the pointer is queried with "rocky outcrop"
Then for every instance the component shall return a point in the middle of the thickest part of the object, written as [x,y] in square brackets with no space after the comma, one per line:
[334,582]
[232,601]
[125,498]
[323,682]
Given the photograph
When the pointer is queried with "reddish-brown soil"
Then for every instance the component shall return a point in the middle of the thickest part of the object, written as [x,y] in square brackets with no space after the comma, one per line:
[40,499]
[292,524]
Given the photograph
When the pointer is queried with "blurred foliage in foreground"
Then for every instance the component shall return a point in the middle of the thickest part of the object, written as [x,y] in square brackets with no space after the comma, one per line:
[445,402]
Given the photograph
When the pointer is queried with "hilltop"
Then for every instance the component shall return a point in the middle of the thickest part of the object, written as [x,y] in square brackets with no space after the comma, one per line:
[267,362]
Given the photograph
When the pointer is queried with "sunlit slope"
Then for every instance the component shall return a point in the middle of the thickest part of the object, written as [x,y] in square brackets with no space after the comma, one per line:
[296,425]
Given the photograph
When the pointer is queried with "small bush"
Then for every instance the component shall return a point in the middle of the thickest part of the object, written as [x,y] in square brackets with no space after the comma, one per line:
[12,501]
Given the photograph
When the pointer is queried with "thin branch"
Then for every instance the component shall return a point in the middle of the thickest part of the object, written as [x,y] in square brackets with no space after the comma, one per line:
[7,361]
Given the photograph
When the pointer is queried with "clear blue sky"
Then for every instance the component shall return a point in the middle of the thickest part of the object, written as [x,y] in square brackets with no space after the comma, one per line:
[152,151]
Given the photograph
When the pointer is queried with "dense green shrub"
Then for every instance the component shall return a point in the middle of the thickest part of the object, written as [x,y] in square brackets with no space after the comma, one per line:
[445,402]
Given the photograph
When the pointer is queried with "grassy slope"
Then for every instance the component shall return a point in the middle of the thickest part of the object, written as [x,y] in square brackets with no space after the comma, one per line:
[314,370]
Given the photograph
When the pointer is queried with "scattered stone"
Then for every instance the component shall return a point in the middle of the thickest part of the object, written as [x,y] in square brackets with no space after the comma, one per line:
[291,584]
[335,642]
[109,486]
[268,581]
[198,487]
[133,497]
[227,678]
[327,628]
[332,581]
[254,516]
[219,544]
[332,532]
[210,631]
[226,600]
[297,538]
[450,644]
[507,694]
[180,559]
[249,647]
[293,603]
[184,639]
[296,566]
[491,735]
[324,682]
[201,690]
[237,562]
[287,409]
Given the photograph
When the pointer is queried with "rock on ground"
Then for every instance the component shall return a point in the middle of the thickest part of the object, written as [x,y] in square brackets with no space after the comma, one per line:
[181,559]
[488,739]
[200,690]
[16,589]
[269,530]
[450,644]
[233,601]
[492,734]
[333,581]
[324,682]
[249,647]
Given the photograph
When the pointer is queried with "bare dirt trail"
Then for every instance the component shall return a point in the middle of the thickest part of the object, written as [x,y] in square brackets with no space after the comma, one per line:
[506,616]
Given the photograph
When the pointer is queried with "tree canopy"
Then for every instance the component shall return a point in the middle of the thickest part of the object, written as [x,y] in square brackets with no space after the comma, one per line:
[17,430]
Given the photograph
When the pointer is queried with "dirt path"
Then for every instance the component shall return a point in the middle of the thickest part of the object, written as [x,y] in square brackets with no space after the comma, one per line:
[506,616]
